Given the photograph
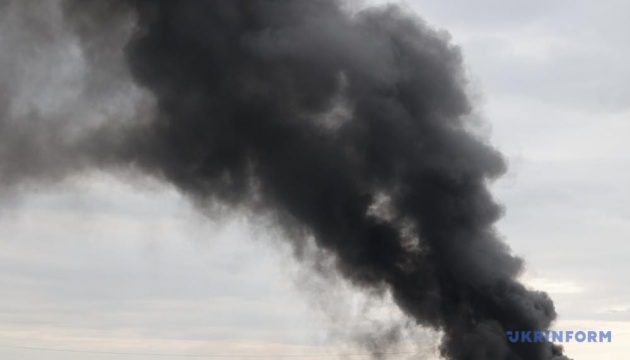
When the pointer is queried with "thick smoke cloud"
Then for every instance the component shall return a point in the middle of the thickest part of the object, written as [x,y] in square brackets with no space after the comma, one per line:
[350,128]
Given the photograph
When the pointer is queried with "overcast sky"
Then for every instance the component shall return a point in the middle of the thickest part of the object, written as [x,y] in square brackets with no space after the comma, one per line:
[105,264]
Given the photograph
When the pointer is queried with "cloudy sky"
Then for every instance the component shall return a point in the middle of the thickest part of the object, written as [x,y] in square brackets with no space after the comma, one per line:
[105,264]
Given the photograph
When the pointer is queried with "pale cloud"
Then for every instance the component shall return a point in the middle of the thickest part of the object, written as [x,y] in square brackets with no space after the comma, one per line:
[147,273]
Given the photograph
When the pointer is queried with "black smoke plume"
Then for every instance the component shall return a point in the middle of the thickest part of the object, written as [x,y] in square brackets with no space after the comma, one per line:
[350,126]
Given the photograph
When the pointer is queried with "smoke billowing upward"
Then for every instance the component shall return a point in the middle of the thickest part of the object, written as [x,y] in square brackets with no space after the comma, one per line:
[349,126]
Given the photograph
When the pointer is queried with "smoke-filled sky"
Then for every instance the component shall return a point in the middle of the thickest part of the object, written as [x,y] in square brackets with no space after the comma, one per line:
[112,263]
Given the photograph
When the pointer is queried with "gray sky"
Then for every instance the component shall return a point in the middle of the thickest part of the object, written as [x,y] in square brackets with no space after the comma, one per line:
[101,264]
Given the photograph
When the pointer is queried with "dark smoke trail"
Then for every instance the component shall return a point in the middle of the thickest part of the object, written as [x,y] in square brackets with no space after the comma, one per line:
[351,127]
